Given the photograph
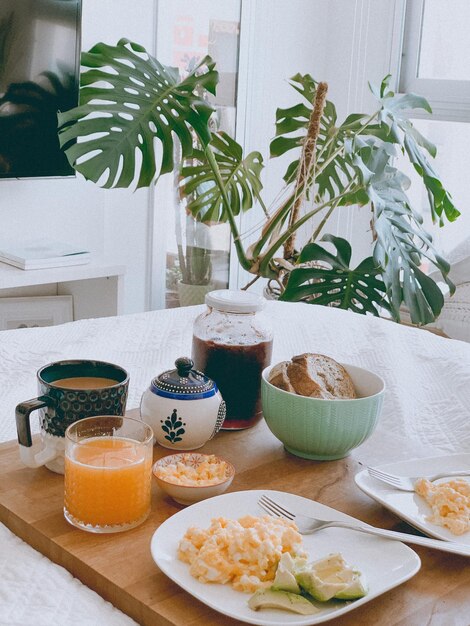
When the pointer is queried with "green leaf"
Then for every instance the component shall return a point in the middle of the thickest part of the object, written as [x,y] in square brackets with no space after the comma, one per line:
[138,101]
[402,243]
[240,176]
[395,114]
[440,200]
[332,282]
[335,168]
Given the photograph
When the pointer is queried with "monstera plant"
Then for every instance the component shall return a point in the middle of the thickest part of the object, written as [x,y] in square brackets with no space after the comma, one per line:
[130,102]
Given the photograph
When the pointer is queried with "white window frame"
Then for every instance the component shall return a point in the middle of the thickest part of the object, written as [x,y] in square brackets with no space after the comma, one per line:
[449,99]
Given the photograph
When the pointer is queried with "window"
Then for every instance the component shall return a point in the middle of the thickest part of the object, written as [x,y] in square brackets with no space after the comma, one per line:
[196,255]
[436,64]
[436,56]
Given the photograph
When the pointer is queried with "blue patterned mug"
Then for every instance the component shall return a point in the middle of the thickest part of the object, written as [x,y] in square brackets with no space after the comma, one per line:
[68,391]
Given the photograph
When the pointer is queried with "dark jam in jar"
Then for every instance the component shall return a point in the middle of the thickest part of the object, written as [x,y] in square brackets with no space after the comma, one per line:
[237,371]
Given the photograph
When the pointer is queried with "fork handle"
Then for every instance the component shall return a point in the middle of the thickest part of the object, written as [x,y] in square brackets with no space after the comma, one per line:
[437,544]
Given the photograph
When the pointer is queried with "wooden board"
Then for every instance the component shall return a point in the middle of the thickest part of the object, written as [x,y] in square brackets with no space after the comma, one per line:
[120,568]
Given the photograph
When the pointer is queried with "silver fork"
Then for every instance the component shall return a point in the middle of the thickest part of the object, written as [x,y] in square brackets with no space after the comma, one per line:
[407,483]
[308,525]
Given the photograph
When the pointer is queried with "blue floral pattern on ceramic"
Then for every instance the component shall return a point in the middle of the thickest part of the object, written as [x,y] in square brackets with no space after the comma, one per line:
[173,427]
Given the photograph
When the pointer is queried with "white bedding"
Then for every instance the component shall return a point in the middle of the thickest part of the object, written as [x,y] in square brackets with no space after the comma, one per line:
[427,400]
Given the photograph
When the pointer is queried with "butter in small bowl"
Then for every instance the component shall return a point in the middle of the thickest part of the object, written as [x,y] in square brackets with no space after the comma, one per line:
[191,477]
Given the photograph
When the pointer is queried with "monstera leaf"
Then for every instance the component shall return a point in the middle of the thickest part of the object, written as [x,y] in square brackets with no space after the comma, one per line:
[128,99]
[240,178]
[333,173]
[332,282]
[402,243]
[335,167]
[395,114]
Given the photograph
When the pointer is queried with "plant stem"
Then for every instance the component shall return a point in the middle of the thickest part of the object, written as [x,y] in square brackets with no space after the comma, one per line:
[244,262]
[323,222]
[326,217]
[252,282]
[280,240]
[335,153]
[280,215]
[263,206]
[271,225]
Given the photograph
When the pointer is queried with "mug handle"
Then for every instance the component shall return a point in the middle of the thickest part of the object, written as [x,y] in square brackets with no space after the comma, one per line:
[28,454]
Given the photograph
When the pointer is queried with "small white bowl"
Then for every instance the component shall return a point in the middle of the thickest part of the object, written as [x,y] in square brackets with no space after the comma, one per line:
[189,494]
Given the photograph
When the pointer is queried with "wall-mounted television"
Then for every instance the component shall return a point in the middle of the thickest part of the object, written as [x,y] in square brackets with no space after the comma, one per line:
[39,76]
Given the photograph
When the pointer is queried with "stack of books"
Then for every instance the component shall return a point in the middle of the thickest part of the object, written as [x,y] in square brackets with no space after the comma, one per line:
[43,254]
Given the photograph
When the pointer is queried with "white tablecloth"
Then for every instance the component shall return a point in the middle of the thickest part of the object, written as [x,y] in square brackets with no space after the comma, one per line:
[427,400]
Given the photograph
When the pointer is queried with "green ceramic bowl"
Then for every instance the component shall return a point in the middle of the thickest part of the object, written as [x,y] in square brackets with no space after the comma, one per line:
[323,429]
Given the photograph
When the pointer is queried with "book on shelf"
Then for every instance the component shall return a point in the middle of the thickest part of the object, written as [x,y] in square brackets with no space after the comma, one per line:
[43,254]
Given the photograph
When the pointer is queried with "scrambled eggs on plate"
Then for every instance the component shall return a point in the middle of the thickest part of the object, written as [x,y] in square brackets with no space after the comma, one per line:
[450,503]
[242,552]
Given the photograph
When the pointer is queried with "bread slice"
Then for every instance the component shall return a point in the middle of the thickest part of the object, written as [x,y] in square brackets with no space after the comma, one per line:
[319,376]
[278,377]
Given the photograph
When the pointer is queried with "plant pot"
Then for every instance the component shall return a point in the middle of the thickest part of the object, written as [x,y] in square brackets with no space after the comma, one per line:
[193,294]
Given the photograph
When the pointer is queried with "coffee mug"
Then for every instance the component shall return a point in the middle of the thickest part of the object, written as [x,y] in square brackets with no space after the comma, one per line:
[68,391]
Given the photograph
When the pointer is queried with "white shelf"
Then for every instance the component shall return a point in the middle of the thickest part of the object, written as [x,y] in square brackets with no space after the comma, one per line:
[96,287]
[13,277]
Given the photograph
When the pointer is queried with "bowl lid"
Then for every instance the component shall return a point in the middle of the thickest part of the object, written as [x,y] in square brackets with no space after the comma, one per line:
[183,383]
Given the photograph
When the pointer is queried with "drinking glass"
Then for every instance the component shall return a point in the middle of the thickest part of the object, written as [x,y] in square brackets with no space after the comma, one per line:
[108,473]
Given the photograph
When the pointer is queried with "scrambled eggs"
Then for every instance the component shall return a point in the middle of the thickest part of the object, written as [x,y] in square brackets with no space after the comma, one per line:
[242,552]
[210,472]
[450,503]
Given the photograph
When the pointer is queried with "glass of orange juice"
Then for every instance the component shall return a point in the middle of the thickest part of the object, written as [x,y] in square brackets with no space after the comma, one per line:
[108,473]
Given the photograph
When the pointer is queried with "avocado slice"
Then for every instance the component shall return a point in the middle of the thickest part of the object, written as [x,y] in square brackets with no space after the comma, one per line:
[331,577]
[285,573]
[272,599]
[357,589]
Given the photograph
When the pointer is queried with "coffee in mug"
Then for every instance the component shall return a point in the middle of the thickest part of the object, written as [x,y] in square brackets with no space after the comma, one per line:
[68,391]
[85,382]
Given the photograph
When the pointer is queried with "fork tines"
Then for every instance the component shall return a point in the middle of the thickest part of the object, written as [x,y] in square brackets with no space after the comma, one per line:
[389,478]
[273,508]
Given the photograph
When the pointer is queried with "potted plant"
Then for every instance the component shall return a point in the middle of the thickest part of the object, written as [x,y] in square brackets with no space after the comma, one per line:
[194,262]
[336,165]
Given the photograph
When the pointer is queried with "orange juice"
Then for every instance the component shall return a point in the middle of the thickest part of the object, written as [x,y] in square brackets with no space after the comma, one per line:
[107,481]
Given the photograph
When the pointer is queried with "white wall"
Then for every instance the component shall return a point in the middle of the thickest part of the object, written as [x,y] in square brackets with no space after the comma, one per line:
[359,50]
[278,40]
[109,222]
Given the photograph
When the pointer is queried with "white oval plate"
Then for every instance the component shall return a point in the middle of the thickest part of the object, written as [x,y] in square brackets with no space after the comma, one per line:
[408,505]
[384,563]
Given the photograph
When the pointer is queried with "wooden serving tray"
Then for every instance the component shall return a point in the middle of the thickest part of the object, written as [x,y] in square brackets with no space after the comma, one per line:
[120,568]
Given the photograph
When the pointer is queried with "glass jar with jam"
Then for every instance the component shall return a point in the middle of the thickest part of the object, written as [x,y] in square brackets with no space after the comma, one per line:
[232,344]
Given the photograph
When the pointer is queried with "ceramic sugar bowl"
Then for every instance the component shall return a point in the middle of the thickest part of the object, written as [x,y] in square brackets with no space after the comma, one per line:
[183,407]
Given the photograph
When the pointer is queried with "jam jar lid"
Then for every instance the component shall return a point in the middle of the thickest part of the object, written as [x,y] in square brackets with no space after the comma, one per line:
[183,383]
[233,301]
